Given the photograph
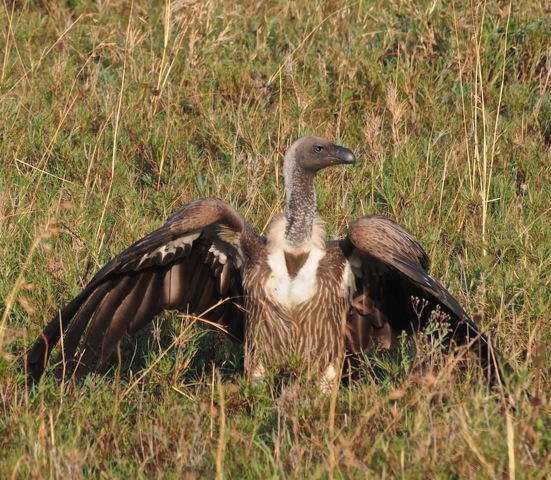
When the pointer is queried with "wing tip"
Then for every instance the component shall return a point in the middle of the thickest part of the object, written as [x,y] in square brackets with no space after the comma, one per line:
[35,361]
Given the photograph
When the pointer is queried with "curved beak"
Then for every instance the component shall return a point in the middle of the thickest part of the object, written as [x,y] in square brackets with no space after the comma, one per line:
[345,156]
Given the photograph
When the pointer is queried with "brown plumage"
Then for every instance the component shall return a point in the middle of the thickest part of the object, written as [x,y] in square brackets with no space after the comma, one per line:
[290,295]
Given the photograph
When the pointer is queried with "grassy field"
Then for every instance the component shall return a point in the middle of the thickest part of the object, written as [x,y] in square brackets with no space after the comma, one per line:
[113,114]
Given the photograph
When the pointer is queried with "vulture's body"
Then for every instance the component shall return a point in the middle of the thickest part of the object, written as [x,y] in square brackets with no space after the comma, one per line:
[291,295]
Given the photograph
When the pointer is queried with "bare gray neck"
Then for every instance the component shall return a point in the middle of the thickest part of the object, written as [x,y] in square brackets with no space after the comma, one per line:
[301,207]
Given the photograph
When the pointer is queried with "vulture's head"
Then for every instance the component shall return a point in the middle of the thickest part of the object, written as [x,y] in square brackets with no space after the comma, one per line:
[306,157]
[311,154]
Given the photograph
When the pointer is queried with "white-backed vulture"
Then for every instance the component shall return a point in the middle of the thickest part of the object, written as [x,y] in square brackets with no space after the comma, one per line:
[290,295]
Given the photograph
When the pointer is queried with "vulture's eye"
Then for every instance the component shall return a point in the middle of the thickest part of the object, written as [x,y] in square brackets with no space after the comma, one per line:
[318,149]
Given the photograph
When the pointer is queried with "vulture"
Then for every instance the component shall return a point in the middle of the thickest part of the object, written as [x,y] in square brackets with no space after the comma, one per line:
[287,296]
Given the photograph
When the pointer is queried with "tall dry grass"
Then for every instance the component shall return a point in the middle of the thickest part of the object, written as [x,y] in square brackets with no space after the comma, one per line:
[113,114]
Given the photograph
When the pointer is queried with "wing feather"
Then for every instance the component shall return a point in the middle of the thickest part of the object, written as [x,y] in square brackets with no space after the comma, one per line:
[105,316]
[175,291]
[145,304]
[77,328]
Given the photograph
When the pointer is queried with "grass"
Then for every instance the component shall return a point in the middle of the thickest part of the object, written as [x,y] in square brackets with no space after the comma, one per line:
[113,114]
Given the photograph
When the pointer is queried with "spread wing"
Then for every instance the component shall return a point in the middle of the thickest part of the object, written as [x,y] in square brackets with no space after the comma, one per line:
[192,263]
[395,293]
